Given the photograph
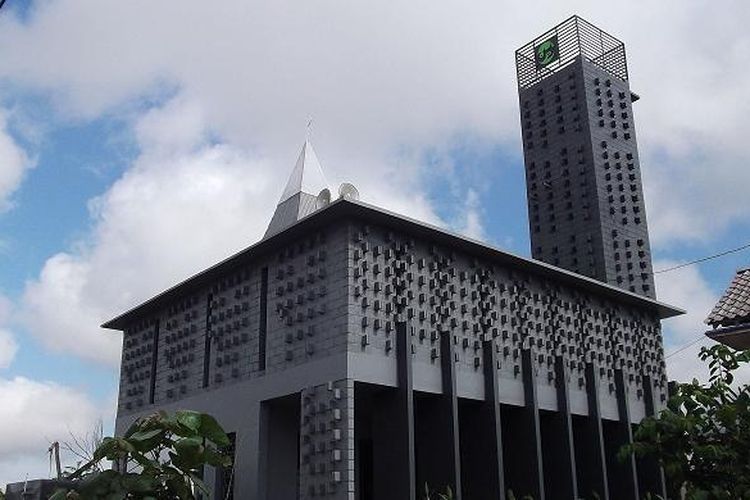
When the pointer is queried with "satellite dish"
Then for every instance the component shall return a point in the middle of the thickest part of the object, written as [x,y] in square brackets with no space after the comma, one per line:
[323,199]
[348,192]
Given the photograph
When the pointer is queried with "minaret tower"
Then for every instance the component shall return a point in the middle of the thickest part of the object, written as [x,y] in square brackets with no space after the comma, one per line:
[583,175]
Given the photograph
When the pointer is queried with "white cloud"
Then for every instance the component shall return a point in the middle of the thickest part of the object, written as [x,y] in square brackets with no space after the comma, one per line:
[684,335]
[688,289]
[384,76]
[5,307]
[8,345]
[384,82]
[14,163]
[471,216]
[33,415]
[183,205]
[8,348]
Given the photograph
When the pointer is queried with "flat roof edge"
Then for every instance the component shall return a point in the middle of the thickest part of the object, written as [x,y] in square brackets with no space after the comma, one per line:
[350,207]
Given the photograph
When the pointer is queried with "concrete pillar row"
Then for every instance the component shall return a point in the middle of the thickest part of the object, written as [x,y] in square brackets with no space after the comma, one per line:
[597,456]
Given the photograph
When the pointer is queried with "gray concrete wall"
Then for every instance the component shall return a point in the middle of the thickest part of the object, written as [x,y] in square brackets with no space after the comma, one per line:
[306,321]
[436,289]
[327,441]
[333,301]
[237,407]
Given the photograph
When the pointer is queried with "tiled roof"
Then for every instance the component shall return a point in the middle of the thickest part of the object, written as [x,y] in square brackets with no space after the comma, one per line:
[734,306]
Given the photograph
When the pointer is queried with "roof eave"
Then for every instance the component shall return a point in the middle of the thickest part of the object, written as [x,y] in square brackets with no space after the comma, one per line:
[736,337]
[343,207]
[260,247]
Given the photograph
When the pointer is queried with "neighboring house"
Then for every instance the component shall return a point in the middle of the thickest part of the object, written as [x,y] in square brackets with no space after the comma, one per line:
[36,489]
[730,317]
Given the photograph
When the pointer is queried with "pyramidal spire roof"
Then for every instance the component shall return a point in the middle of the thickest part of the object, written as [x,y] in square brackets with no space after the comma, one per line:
[300,194]
[307,175]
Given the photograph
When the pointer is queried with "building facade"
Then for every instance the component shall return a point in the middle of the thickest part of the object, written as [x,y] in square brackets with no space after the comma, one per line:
[357,354]
[584,188]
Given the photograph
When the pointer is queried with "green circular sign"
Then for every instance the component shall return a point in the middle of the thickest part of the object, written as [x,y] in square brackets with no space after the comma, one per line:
[547,52]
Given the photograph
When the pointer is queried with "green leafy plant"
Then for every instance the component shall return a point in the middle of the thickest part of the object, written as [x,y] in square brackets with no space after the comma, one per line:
[160,456]
[702,438]
[435,495]
[512,496]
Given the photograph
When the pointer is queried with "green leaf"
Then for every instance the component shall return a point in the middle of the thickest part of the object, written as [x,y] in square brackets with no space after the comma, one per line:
[216,458]
[190,419]
[702,438]
[59,494]
[145,435]
[189,453]
[178,486]
[211,430]
[139,483]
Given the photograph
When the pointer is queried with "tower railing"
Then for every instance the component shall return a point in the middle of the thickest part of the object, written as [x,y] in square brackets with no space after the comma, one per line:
[560,46]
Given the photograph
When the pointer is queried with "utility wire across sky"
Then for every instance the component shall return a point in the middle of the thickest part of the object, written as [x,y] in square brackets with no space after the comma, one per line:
[693,262]
[680,349]
[704,259]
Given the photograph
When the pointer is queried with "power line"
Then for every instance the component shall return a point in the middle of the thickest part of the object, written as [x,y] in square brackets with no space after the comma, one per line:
[704,259]
[702,336]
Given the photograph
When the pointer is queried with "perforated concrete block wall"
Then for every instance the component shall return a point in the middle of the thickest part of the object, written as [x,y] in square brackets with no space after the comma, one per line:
[438,291]
[345,288]
[584,189]
[233,320]
[625,238]
[138,354]
[307,301]
[216,336]
[327,441]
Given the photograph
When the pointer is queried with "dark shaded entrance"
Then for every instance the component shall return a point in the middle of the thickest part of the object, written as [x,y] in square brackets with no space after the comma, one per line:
[479,454]
[434,449]
[558,455]
[381,449]
[519,451]
[590,469]
[623,483]
[279,448]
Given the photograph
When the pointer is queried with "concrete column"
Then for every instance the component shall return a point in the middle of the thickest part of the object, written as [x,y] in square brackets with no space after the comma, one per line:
[448,370]
[650,475]
[247,443]
[533,456]
[558,441]
[624,476]
[403,473]
[495,476]
[154,363]
[597,464]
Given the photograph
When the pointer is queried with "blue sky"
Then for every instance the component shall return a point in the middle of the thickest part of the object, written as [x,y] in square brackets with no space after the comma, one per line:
[137,147]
